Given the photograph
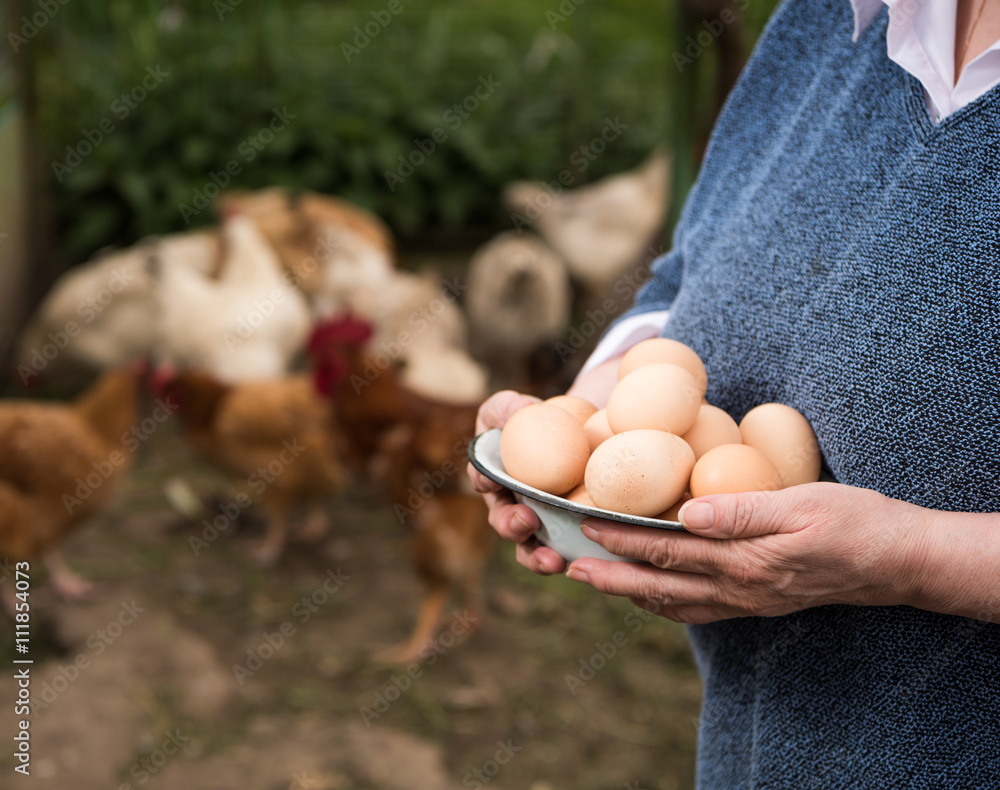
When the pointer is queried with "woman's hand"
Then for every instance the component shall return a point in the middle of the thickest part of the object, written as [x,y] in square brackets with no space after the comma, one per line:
[766,553]
[517,523]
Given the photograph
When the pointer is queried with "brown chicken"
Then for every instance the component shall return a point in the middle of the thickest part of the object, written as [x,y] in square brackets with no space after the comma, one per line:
[414,448]
[59,465]
[276,434]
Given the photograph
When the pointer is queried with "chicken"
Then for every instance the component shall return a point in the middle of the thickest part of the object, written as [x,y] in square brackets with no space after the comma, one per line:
[600,229]
[518,300]
[410,311]
[411,436]
[59,466]
[98,314]
[323,241]
[343,259]
[248,324]
[275,434]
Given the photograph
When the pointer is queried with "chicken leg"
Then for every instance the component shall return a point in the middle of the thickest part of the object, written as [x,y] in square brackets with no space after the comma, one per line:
[67,583]
[423,631]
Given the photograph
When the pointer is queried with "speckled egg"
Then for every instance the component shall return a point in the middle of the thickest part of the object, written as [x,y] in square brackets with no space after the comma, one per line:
[640,472]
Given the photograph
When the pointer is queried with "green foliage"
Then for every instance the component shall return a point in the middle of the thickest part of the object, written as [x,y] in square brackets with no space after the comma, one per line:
[364,86]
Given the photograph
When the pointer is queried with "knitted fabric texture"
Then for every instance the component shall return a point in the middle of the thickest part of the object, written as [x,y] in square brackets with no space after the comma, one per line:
[841,254]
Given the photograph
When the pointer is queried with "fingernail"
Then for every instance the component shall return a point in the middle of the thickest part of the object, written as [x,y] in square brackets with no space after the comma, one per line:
[698,515]
[577,574]
[589,531]
[519,520]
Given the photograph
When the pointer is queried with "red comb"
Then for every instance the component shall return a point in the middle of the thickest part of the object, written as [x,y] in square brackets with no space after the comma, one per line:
[346,329]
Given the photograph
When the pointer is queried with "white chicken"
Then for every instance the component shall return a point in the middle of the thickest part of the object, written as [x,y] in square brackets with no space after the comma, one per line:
[408,311]
[98,314]
[350,266]
[601,229]
[324,241]
[518,299]
[247,324]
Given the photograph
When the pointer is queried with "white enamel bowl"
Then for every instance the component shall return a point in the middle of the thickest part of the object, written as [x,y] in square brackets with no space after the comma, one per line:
[560,518]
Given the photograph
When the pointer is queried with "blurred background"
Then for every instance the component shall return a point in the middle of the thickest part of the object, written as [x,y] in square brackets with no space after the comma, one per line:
[477,161]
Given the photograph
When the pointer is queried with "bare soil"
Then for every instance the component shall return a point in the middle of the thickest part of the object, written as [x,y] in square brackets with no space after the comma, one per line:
[138,686]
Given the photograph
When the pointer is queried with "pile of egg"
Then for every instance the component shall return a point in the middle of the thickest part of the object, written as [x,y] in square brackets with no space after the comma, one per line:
[658,443]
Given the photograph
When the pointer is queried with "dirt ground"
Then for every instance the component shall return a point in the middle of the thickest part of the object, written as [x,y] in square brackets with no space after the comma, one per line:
[206,672]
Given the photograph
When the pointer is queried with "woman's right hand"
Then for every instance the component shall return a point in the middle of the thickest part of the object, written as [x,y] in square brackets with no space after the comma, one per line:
[513,522]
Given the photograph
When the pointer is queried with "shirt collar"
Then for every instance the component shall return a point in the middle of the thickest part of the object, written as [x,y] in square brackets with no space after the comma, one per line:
[865,12]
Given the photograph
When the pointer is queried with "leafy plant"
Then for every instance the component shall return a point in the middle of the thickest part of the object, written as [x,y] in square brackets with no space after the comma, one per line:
[379,99]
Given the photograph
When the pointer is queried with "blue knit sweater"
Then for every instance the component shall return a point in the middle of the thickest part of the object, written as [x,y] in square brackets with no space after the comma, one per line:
[841,254]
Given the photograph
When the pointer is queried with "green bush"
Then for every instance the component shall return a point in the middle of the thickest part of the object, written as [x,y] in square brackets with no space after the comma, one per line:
[358,107]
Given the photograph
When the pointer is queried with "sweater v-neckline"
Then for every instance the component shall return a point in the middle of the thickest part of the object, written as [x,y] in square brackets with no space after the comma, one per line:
[920,119]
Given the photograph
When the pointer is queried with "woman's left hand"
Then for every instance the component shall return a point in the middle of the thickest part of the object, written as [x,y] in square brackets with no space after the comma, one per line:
[764,554]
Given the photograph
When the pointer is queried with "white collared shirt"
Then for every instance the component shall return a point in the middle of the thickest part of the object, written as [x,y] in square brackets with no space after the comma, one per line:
[921,39]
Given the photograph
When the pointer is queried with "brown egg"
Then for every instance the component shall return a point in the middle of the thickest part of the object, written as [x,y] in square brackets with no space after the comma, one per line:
[672,513]
[658,396]
[662,349]
[578,407]
[787,438]
[639,472]
[597,428]
[580,496]
[733,468]
[711,428]
[545,447]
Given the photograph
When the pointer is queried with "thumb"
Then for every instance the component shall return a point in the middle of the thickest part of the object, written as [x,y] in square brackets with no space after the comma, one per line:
[733,516]
[498,408]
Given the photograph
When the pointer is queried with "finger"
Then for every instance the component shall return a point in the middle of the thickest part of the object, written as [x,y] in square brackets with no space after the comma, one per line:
[480,482]
[538,558]
[512,522]
[689,615]
[631,580]
[669,549]
[498,408]
[751,514]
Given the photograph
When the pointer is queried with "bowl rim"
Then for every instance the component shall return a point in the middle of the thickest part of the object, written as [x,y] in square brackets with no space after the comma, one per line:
[556,501]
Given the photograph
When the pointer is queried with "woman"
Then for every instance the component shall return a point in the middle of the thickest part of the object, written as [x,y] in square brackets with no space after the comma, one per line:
[840,253]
